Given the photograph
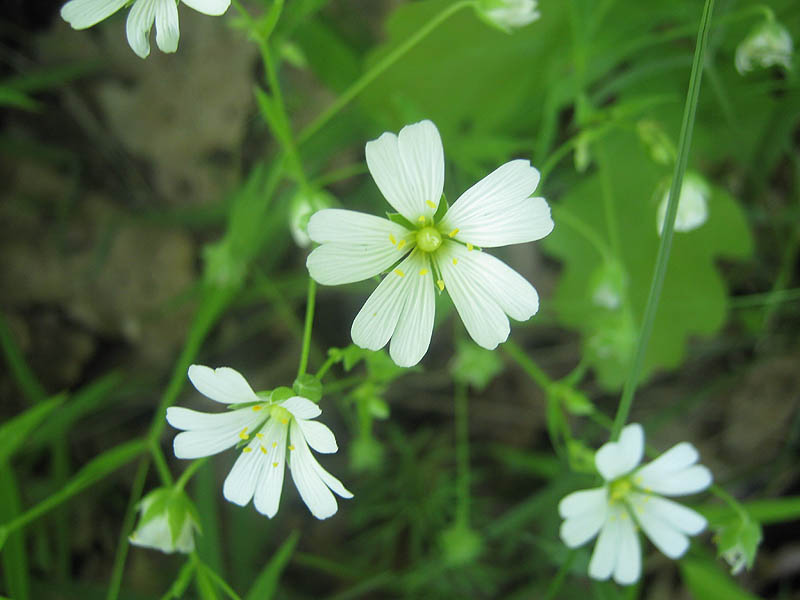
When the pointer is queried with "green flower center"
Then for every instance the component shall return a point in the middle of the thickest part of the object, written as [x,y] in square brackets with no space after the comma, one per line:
[619,489]
[281,414]
[428,239]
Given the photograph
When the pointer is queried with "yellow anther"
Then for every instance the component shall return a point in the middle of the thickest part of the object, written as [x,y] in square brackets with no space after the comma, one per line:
[470,247]
[243,434]
[285,421]
[454,232]
[399,272]
[400,244]
[440,283]
[423,271]
[392,239]
[274,444]
[257,407]
[455,261]
[274,464]
[248,449]
[421,219]
[429,203]
[623,515]
[260,436]
[291,447]
[263,450]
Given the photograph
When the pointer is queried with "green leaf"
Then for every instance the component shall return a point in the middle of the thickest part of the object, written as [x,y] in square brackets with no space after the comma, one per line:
[707,581]
[611,215]
[737,542]
[267,581]
[14,431]
[309,387]
[14,556]
[474,365]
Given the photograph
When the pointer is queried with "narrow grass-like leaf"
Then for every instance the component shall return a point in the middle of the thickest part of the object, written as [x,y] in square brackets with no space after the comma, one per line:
[708,581]
[15,561]
[22,373]
[14,431]
[267,581]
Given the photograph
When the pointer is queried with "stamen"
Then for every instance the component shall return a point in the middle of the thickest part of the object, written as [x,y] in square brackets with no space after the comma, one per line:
[399,272]
[291,447]
[455,261]
[243,434]
[392,239]
[274,464]
[470,247]
[454,232]
[263,450]
[440,283]
[274,444]
[423,271]
[429,203]
[400,244]
[248,449]
[285,421]
[260,436]
[421,219]
[257,407]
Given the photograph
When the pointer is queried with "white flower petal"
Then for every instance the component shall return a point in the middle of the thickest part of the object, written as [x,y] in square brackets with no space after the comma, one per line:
[412,336]
[302,408]
[409,169]
[516,297]
[137,27]
[318,436]
[682,518]
[483,318]
[209,7]
[680,483]
[675,459]
[268,490]
[606,550]
[582,502]
[313,490]
[615,459]
[376,321]
[355,246]
[167,27]
[188,419]
[205,442]
[629,559]
[497,211]
[329,480]
[656,523]
[224,384]
[81,14]
[240,484]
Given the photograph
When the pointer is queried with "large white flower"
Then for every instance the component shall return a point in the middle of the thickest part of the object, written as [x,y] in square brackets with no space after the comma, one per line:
[631,498]
[270,430]
[82,14]
[498,210]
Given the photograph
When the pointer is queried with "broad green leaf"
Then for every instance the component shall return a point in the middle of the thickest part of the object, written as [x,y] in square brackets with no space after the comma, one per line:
[14,431]
[707,581]
[611,216]
[267,582]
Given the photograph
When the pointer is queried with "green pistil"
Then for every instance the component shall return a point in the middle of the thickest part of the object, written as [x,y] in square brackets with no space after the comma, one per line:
[428,239]
[619,489]
[281,414]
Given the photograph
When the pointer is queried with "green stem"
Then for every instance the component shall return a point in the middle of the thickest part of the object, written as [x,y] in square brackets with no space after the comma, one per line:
[723,495]
[558,580]
[326,367]
[531,368]
[387,61]
[665,246]
[160,462]
[312,292]
[189,472]
[564,216]
[462,450]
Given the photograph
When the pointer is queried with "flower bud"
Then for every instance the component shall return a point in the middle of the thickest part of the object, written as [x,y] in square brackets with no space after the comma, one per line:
[167,522]
[692,205]
[767,44]
[508,14]
[304,204]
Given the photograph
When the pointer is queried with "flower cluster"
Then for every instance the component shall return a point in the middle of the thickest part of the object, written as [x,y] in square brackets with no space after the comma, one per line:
[431,247]
[270,435]
[631,498]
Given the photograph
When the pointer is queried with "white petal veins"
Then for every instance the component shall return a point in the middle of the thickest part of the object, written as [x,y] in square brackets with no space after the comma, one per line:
[167,26]
[412,336]
[240,484]
[268,490]
[302,408]
[137,27]
[313,490]
[318,436]
[223,384]
[81,14]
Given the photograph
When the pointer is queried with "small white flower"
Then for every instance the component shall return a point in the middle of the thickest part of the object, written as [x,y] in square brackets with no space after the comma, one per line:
[692,206]
[498,210]
[82,14]
[270,430]
[509,14]
[768,44]
[630,499]
[154,524]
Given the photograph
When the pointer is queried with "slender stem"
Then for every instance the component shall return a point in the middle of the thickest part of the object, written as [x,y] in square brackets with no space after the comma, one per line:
[566,217]
[462,452]
[531,368]
[665,246]
[115,583]
[160,462]
[387,61]
[770,299]
[189,472]
[312,292]
[723,495]
[326,366]
[558,580]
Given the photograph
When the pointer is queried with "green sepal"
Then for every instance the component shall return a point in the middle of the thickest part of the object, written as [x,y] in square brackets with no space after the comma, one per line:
[441,210]
[737,542]
[281,394]
[176,515]
[309,387]
[159,499]
[400,220]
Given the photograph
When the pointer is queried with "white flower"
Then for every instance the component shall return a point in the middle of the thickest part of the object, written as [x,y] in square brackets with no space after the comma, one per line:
[82,14]
[509,14]
[154,529]
[409,170]
[270,429]
[769,43]
[630,499]
[692,205]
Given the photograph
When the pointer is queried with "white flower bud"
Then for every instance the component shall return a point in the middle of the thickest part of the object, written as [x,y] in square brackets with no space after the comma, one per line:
[508,14]
[692,206]
[767,44]
[304,204]
[167,522]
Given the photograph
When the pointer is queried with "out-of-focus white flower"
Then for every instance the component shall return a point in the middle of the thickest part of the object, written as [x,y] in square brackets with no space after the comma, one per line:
[272,431]
[692,206]
[508,14]
[433,251]
[767,44]
[167,522]
[631,498]
[608,285]
[304,204]
[82,14]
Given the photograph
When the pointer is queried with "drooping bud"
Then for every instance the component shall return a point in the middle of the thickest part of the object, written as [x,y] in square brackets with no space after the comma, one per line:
[167,522]
[692,205]
[767,44]
[508,14]
[304,204]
